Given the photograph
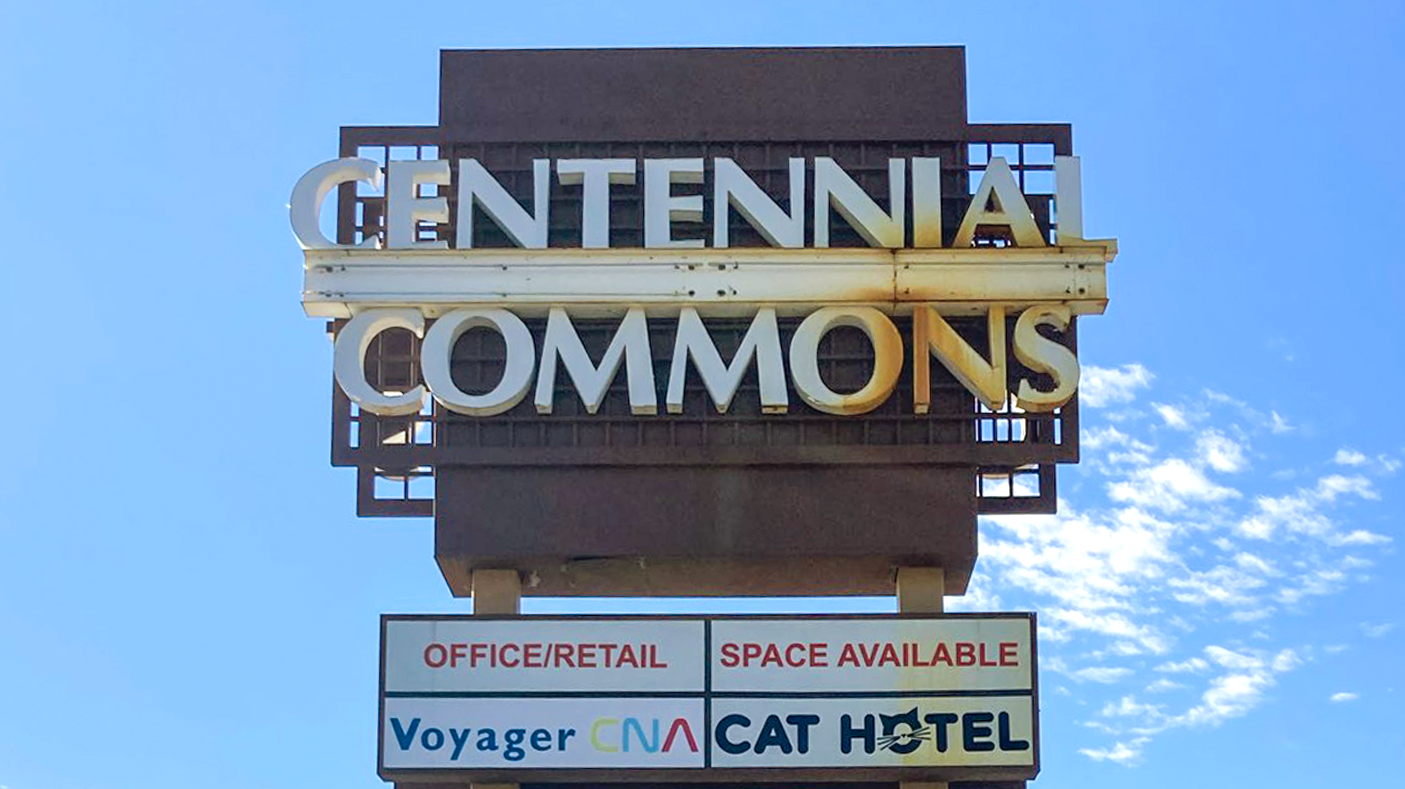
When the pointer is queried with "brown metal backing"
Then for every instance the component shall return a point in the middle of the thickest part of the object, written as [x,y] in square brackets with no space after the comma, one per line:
[739,94]
[889,474]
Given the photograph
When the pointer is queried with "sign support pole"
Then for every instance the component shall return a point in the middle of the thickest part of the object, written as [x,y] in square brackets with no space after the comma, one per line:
[920,591]
[496,592]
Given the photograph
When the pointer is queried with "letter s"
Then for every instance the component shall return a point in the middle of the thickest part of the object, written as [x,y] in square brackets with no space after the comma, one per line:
[1043,355]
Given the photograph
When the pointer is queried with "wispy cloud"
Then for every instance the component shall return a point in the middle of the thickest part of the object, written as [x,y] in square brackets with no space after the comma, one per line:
[1169,486]
[1219,452]
[1123,753]
[1239,689]
[1195,665]
[1103,674]
[1304,513]
[1349,457]
[1170,541]
[1338,698]
[1102,386]
[1376,630]
[1242,680]
[1174,417]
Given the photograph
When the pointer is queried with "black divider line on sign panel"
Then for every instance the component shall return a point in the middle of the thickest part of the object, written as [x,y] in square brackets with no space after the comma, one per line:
[707,687]
[635,694]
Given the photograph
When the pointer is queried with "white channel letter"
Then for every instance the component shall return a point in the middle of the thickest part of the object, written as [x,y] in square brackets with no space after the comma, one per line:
[595,176]
[926,202]
[762,343]
[731,186]
[887,359]
[662,209]
[1068,197]
[478,187]
[933,336]
[834,187]
[305,204]
[405,208]
[630,345]
[1043,355]
[1011,210]
[349,360]
[437,352]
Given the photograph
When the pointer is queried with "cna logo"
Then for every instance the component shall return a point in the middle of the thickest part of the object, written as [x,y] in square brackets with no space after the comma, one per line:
[630,735]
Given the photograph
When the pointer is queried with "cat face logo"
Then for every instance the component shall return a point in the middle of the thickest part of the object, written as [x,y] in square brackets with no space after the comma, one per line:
[906,741]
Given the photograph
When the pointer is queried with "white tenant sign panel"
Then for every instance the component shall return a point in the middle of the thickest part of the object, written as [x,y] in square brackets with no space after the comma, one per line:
[883,697]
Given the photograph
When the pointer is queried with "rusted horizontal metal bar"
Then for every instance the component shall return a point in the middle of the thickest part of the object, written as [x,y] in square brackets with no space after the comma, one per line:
[600,283]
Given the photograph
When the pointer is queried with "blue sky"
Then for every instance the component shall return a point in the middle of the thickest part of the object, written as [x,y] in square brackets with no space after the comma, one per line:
[185,593]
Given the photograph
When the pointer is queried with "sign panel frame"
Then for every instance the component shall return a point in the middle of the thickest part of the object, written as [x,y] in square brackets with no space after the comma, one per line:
[941,701]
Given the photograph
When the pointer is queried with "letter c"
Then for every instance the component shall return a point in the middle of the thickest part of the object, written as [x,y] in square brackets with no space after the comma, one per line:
[726,723]
[349,360]
[595,741]
[305,206]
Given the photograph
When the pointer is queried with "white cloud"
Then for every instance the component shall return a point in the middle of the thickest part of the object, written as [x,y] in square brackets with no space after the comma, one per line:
[1220,452]
[1313,584]
[1355,563]
[1349,457]
[1241,688]
[1156,556]
[1329,487]
[1104,674]
[1303,512]
[1169,486]
[1174,417]
[1253,615]
[980,596]
[1123,753]
[1360,537]
[1120,447]
[1223,584]
[1193,665]
[1101,386]
[1376,631]
[1127,707]
[1280,425]
[1338,698]
[1088,567]
[1249,561]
